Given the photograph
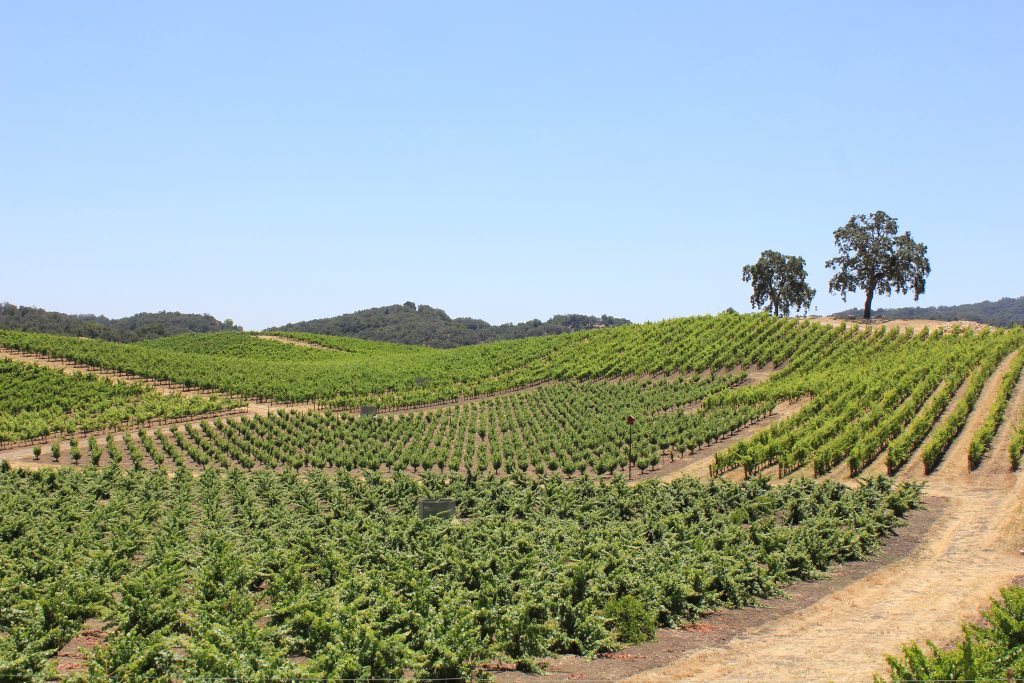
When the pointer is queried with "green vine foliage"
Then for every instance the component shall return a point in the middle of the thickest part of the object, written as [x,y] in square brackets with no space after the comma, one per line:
[263,574]
[992,651]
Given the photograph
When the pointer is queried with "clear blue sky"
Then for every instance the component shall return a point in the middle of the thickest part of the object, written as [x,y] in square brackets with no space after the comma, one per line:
[273,162]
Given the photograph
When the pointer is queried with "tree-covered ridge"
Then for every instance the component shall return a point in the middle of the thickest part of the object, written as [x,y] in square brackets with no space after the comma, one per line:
[265,575]
[427,326]
[132,328]
[1005,312]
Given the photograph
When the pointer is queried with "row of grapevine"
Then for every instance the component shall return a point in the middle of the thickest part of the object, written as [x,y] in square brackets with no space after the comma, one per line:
[885,395]
[38,401]
[246,365]
[934,450]
[983,438]
[568,428]
[274,576]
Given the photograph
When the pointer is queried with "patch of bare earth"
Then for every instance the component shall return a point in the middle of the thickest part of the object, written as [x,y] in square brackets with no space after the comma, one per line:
[73,657]
[296,342]
[902,324]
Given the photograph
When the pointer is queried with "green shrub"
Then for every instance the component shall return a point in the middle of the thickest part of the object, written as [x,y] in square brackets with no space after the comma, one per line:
[992,651]
[633,623]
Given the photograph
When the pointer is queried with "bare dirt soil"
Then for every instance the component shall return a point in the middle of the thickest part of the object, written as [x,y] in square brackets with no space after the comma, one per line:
[901,324]
[73,657]
[296,342]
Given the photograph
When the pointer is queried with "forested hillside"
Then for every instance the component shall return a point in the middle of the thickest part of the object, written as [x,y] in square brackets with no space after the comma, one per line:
[133,328]
[427,326]
[1003,313]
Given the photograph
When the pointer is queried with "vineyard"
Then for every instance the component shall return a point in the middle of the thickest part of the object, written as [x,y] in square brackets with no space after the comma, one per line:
[274,575]
[372,373]
[296,550]
[38,401]
[568,428]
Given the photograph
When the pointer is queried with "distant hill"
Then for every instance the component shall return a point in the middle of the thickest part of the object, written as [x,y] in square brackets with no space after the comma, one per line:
[1005,313]
[133,328]
[427,326]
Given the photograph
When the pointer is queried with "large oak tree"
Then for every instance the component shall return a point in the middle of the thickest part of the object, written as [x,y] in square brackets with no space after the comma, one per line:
[875,258]
[779,283]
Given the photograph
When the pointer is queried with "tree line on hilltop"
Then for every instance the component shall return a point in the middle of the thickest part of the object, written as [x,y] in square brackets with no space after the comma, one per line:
[427,326]
[136,327]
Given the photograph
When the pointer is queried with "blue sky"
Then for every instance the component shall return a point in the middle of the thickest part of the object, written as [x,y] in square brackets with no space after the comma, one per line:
[273,162]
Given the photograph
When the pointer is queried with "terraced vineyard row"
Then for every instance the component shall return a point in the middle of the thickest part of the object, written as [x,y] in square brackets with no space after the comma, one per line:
[36,402]
[568,428]
[982,441]
[890,399]
[265,575]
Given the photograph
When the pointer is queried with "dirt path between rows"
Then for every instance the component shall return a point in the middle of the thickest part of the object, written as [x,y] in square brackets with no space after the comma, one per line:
[955,459]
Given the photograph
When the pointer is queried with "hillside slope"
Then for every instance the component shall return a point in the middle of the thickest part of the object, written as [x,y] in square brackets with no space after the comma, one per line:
[1003,313]
[427,326]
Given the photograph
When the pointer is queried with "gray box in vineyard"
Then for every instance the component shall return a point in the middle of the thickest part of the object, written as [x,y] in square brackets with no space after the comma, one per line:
[440,507]
[367,411]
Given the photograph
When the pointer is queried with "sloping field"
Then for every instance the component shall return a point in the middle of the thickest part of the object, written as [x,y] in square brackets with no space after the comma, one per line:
[729,397]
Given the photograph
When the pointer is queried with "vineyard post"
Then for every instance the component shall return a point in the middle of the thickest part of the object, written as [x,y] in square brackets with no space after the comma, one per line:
[629,421]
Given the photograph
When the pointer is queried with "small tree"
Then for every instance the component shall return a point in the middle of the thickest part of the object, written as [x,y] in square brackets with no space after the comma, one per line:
[37,450]
[875,258]
[55,450]
[779,283]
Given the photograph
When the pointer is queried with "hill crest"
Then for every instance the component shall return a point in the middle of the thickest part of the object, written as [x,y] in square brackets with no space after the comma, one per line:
[425,325]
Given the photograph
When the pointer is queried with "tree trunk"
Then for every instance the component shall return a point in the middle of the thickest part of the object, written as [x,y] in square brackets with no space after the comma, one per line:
[867,304]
